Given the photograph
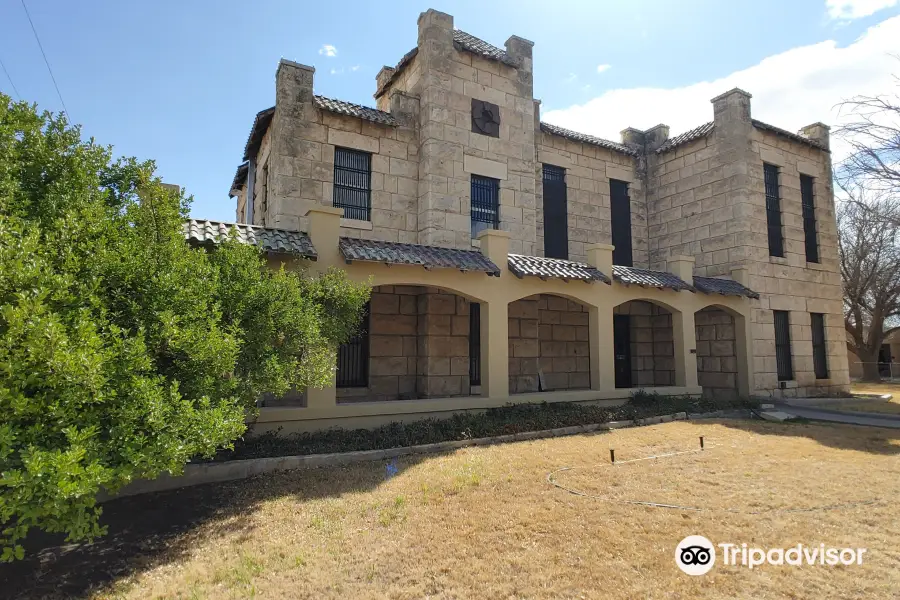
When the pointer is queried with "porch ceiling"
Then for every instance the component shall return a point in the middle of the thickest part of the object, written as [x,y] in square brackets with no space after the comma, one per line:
[539,266]
[416,254]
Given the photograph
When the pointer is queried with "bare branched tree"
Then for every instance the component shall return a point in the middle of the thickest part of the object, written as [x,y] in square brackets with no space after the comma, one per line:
[872,132]
[869,224]
[869,238]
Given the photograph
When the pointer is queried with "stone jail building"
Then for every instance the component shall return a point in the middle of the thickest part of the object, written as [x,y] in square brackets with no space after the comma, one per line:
[515,259]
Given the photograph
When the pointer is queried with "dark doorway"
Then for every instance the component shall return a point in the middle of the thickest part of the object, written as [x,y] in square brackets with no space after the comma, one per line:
[622,349]
[556,227]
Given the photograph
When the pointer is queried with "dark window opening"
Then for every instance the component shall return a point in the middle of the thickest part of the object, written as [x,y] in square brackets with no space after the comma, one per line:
[556,226]
[353,183]
[474,343]
[620,213]
[485,204]
[773,211]
[820,353]
[809,219]
[783,358]
[353,357]
[622,350]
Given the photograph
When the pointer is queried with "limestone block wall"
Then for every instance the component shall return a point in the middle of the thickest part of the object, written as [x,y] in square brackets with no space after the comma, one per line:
[790,283]
[524,346]
[450,152]
[407,81]
[588,171]
[652,344]
[443,345]
[564,343]
[548,335]
[260,200]
[393,346]
[716,355]
[301,162]
[689,211]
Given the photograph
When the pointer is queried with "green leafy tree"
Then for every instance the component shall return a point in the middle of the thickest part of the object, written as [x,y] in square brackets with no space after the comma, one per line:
[124,352]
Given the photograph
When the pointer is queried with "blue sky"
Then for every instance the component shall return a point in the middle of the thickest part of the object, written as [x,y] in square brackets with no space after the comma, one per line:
[180,82]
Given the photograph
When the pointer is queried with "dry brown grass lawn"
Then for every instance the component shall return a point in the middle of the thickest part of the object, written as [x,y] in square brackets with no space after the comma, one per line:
[891,406]
[485,523]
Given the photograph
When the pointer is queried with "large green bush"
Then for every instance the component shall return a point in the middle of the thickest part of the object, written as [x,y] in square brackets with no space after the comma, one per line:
[123,351]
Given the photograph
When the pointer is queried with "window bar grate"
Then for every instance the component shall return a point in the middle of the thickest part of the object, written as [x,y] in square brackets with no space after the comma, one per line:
[783,359]
[353,183]
[773,211]
[353,358]
[809,219]
[474,343]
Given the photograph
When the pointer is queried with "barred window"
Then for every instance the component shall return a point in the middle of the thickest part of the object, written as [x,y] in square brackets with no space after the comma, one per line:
[620,217]
[485,203]
[353,357]
[773,211]
[353,183]
[809,219]
[474,343]
[820,354]
[783,359]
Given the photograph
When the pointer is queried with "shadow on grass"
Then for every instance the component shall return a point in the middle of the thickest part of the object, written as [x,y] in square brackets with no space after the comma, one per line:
[156,529]
[834,435]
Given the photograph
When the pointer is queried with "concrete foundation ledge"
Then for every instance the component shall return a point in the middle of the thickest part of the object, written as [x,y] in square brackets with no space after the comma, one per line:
[199,474]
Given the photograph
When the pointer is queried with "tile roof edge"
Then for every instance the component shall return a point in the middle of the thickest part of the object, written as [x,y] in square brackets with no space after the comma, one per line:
[608,144]
[259,116]
[673,142]
[318,98]
[398,68]
[788,134]
[233,224]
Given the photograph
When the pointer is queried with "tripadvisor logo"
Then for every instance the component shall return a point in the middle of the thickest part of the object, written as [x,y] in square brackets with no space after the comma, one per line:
[696,555]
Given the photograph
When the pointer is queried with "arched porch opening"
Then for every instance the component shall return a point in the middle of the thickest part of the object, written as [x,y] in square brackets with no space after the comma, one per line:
[415,342]
[717,363]
[643,345]
[723,367]
[549,344]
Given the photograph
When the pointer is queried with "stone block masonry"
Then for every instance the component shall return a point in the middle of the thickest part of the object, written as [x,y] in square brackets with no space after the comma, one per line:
[699,194]
[652,344]
[716,353]
[548,336]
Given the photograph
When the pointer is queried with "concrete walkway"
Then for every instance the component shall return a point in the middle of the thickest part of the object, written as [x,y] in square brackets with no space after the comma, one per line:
[837,416]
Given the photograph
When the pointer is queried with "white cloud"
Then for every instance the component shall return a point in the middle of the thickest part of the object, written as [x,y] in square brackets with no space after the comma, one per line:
[792,89]
[570,78]
[337,71]
[354,68]
[602,68]
[328,50]
[855,9]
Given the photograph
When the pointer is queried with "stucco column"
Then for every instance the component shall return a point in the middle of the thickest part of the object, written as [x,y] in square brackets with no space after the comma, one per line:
[603,360]
[685,334]
[494,319]
[681,267]
[495,349]
[320,398]
[600,256]
[324,231]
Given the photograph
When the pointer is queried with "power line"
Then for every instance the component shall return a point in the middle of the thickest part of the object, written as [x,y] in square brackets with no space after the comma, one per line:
[18,97]
[47,62]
